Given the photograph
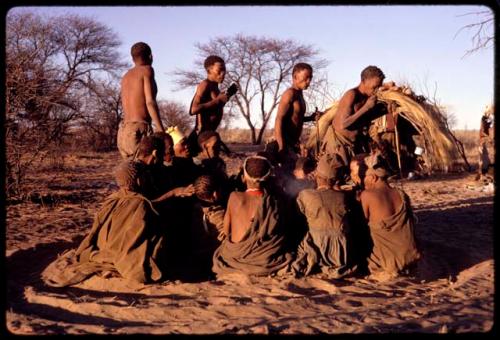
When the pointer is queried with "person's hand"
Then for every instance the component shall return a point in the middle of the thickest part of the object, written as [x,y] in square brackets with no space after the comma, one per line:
[370,102]
[223,97]
[184,191]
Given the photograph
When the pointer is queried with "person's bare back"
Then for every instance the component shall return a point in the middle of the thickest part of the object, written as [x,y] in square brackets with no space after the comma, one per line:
[380,203]
[240,214]
[138,86]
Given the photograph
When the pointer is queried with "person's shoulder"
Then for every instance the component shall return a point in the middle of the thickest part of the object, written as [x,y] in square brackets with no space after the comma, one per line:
[289,93]
[203,85]
[236,196]
[146,70]
[350,94]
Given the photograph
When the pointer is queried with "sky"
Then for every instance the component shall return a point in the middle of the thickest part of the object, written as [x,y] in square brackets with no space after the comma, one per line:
[415,44]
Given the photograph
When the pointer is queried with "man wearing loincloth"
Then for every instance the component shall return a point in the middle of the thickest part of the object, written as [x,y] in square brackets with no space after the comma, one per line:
[391,221]
[290,117]
[254,228]
[356,109]
[138,93]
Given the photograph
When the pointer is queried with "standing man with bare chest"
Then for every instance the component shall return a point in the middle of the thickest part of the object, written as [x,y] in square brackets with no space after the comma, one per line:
[355,111]
[290,117]
[208,102]
[138,93]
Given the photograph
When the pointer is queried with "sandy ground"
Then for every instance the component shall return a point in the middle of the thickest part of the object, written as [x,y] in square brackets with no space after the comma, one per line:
[453,292]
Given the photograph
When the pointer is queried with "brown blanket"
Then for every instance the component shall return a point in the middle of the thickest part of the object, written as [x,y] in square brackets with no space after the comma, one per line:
[125,237]
[394,245]
[262,249]
[325,245]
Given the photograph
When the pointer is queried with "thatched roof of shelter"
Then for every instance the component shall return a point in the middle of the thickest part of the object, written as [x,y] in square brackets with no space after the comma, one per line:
[441,145]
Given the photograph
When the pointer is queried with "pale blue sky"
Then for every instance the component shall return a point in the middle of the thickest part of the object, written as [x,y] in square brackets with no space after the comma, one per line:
[410,43]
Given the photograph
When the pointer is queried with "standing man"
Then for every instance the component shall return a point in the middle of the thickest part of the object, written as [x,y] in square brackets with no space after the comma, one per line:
[355,111]
[208,102]
[138,93]
[291,116]
[485,140]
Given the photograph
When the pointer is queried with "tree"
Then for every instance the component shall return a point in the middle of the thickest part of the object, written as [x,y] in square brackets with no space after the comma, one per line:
[260,66]
[102,113]
[483,35]
[51,62]
[174,114]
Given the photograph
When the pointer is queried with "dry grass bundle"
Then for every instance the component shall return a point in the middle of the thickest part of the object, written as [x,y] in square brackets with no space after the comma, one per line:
[442,148]
[429,122]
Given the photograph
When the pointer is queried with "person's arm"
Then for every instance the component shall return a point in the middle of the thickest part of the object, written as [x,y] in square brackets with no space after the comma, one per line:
[227,217]
[345,109]
[284,106]
[197,106]
[364,204]
[149,79]
[314,116]
[177,192]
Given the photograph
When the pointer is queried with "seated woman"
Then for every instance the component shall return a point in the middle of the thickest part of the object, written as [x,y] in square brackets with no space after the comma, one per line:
[254,227]
[391,221]
[326,245]
[126,236]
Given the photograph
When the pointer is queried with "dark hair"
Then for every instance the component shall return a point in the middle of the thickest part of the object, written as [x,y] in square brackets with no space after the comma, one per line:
[257,167]
[206,135]
[301,66]
[140,51]
[167,139]
[372,72]
[306,164]
[212,59]
[205,186]
[127,173]
[150,143]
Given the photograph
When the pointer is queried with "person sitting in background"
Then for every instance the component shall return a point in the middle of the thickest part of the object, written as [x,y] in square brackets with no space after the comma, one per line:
[301,180]
[184,168]
[391,221]
[209,157]
[485,141]
[207,224]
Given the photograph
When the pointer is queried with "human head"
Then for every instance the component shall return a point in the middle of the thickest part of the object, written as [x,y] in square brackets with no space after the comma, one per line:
[207,189]
[256,170]
[209,143]
[216,68]
[377,170]
[328,169]
[141,53]
[302,74]
[357,169]
[181,147]
[489,110]
[303,167]
[151,150]
[127,175]
[371,79]
[169,146]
